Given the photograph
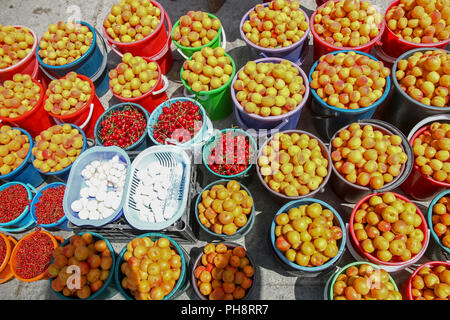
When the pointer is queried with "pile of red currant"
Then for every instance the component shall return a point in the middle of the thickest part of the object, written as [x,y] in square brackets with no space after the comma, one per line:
[231,155]
[180,121]
[122,128]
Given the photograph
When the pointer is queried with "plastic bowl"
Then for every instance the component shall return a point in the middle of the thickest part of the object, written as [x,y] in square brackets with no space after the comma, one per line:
[62,222]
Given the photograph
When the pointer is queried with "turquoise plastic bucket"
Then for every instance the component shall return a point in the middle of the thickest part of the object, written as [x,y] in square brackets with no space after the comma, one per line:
[61,224]
[25,220]
[108,290]
[26,172]
[430,222]
[181,282]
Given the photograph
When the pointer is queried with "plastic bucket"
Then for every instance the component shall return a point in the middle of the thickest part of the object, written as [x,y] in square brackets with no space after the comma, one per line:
[108,290]
[61,224]
[26,66]
[24,220]
[430,222]
[328,119]
[99,76]
[287,121]
[181,282]
[419,186]
[13,262]
[187,52]
[394,46]
[322,47]
[26,172]
[295,53]
[198,262]
[241,232]
[28,121]
[404,111]
[351,192]
[294,268]
[429,264]
[279,197]
[328,292]
[396,265]
[87,116]
[141,144]
[148,46]
[5,269]
[64,173]
[211,143]
[217,103]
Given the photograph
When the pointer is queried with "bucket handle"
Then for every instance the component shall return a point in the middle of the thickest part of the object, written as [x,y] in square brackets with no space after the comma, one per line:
[224,45]
[193,96]
[91,110]
[164,88]
[33,189]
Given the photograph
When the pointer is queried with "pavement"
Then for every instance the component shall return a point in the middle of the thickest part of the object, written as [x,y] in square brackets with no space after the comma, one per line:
[273,281]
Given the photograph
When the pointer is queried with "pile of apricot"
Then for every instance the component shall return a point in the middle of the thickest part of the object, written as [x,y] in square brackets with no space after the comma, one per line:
[307,235]
[14,147]
[347,23]
[15,44]
[196,29]
[431,283]
[224,273]
[432,151]
[364,283]
[18,96]
[224,208]
[388,227]
[368,156]
[349,80]
[269,89]
[293,164]
[280,24]
[420,21]
[441,220]
[425,77]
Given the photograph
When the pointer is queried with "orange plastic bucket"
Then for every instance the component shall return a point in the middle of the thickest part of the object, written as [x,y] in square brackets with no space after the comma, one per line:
[13,261]
[34,121]
[26,66]
[87,116]
[5,270]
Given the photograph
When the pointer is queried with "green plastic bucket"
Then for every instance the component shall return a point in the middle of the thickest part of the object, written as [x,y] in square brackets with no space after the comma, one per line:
[218,102]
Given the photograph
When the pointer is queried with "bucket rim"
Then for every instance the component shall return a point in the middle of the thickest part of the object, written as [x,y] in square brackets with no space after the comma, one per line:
[26,210]
[214,91]
[224,131]
[115,107]
[80,59]
[374,105]
[432,263]
[423,227]
[406,167]
[296,203]
[25,161]
[273,118]
[316,36]
[36,200]
[224,236]
[403,93]
[430,216]
[274,50]
[28,56]
[219,32]
[325,153]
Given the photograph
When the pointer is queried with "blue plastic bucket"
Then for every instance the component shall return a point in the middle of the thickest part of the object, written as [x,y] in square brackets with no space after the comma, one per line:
[328,119]
[25,220]
[181,282]
[309,271]
[430,222]
[64,173]
[25,172]
[241,232]
[61,224]
[141,144]
[108,290]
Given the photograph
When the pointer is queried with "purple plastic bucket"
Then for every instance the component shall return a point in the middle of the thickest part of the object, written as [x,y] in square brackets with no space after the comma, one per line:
[285,121]
[295,53]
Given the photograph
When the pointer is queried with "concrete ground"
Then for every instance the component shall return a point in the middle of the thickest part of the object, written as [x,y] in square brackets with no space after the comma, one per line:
[273,281]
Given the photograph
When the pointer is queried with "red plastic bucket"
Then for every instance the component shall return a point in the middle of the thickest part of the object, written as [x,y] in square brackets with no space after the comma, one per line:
[34,121]
[322,47]
[419,186]
[430,264]
[149,46]
[26,66]
[87,116]
[394,47]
